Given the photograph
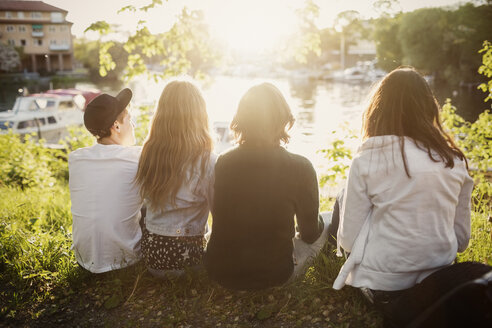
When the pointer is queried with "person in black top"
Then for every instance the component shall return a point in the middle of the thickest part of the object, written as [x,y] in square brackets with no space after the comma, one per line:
[261,190]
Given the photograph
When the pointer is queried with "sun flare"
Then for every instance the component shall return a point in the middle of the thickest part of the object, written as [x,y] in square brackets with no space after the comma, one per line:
[247,28]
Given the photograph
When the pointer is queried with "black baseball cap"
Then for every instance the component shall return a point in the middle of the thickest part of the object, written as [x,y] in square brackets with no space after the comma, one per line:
[103,110]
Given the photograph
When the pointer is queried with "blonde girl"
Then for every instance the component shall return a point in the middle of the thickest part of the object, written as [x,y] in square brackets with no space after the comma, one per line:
[176,175]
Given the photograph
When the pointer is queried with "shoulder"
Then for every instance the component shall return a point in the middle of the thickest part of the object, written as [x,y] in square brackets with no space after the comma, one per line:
[111,152]
[297,159]
[230,153]
[461,169]
[299,163]
[81,153]
[133,152]
[228,156]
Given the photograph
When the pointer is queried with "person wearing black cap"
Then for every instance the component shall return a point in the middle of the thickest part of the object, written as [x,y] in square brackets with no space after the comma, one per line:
[105,201]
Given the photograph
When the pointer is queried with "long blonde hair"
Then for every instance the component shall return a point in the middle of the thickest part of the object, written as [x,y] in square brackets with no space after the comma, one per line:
[178,140]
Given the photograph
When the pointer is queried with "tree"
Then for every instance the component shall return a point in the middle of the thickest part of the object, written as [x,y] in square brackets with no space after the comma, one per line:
[305,45]
[471,25]
[9,58]
[486,69]
[388,47]
[87,52]
[185,48]
[423,34]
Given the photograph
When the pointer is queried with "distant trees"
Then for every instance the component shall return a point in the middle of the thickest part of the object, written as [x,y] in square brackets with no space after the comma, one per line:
[9,58]
[388,46]
[435,40]
[423,36]
[304,46]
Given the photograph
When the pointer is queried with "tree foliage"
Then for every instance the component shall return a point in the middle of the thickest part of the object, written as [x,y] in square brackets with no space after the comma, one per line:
[437,41]
[388,47]
[304,46]
[9,58]
[88,52]
[476,142]
[421,35]
[186,48]
[486,69]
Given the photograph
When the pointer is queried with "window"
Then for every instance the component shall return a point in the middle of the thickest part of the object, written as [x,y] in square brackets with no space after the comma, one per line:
[38,42]
[56,17]
[26,124]
[8,14]
[41,121]
[10,28]
[11,42]
[36,14]
[23,42]
[51,120]
[64,105]
[20,14]
[63,28]
[51,28]
[52,42]
[22,28]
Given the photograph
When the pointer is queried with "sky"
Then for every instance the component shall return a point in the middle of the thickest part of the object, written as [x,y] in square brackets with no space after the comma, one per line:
[234,21]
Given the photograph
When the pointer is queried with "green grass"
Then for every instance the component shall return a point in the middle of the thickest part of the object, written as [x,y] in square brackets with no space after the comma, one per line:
[41,283]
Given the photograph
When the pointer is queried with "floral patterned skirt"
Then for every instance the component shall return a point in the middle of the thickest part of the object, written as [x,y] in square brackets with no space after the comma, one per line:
[171,253]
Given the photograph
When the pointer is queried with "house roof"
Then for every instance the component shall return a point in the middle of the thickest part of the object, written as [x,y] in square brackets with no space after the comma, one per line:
[18,5]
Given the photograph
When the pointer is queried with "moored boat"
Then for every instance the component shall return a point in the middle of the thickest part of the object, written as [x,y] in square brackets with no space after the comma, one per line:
[47,115]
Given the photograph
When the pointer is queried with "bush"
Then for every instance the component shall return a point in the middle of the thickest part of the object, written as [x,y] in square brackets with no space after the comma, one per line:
[26,164]
[475,140]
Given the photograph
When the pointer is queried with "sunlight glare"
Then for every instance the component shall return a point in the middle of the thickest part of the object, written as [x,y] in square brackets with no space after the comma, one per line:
[253,26]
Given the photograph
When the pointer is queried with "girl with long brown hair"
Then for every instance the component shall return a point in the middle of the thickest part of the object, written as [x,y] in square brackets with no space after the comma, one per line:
[175,175]
[406,207]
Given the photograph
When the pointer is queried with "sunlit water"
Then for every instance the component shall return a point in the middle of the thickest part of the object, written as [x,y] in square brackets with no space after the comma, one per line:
[320,108]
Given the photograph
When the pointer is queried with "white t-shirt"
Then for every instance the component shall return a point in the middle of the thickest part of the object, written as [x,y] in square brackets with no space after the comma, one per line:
[105,206]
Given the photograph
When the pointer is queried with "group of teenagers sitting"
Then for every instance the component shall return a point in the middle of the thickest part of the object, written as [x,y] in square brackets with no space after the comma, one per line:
[400,220]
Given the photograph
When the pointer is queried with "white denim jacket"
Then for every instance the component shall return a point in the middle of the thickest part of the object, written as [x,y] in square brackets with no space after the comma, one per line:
[416,225]
[193,204]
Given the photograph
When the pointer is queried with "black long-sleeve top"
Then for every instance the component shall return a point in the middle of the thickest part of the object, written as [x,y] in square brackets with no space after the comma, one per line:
[258,191]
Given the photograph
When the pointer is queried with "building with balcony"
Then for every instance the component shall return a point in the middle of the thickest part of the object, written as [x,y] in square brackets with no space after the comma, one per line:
[41,31]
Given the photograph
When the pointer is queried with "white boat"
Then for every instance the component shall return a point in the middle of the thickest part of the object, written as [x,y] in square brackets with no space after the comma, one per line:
[46,115]
[43,124]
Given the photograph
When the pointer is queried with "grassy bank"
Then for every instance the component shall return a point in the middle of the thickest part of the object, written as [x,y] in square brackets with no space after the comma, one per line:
[41,283]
